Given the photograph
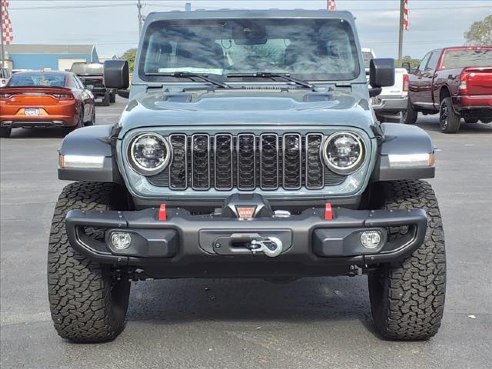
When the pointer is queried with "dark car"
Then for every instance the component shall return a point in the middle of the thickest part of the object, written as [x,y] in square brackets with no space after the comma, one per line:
[91,74]
[455,82]
[45,99]
[248,149]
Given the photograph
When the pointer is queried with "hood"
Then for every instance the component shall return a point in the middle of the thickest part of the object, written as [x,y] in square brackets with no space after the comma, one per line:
[246,107]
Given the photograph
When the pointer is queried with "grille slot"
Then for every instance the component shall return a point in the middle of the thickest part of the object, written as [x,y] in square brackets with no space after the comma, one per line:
[246,161]
[269,161]
[178,170]
[292,161]
[200,162]
[315,170]
[223,149]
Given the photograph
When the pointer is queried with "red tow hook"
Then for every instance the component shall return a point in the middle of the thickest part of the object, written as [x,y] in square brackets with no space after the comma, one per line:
[328,212]
[162,214]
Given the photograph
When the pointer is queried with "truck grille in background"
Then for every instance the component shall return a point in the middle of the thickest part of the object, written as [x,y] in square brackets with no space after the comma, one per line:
[246,162]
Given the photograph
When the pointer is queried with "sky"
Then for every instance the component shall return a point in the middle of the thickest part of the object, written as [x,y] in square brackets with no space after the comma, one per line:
[112,25]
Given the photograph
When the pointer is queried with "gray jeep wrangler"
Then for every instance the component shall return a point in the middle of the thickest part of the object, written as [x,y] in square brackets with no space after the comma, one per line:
[248,149]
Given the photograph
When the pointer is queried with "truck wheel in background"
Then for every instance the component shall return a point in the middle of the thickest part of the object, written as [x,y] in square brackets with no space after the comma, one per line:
[106,99]
[449,120]
[112,97]
[410,115]
[87,303]
[407,298]
[5,132]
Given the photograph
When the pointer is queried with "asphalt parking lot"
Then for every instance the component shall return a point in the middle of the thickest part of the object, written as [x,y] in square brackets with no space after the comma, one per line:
[310,323]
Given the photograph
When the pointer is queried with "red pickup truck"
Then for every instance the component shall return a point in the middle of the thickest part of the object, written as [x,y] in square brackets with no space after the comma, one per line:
[455,82]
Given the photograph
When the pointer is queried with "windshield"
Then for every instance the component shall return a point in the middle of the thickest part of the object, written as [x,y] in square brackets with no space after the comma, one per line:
[467,58]
[315,49]
[40,79]
[83,68]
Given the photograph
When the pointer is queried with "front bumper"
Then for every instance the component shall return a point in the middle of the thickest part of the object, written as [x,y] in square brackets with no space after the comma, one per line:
[187,245]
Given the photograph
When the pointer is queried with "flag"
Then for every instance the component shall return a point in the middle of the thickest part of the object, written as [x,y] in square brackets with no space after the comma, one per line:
[7,32]
[331,5]
[406,22]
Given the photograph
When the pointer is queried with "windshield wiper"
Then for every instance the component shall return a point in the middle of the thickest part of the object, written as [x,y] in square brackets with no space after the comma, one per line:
[285,76]
[192,76]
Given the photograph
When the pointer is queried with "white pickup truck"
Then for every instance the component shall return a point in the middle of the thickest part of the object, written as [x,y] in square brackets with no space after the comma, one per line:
[391,104]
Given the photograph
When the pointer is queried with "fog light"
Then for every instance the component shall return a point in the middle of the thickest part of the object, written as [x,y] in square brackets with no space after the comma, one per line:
[370,239]
[121,240]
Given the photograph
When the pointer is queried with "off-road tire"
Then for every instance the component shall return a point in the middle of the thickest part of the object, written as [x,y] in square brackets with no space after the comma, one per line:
[471,120]
[410,115]
[87,303]
[407,298]
[112,97]
[449,120]
[5,132]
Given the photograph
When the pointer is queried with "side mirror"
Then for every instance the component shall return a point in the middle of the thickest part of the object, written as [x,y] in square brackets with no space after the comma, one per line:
[382,73]
[116,74]
[124,93]
[407,66]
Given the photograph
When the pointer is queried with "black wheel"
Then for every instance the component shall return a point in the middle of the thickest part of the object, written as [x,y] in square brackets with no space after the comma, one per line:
[112,97]
[471,120]
[486,121]
[105,101]
[5,132]
[407,298]
[92,121]
[87,303]
[410,115]
[449,120]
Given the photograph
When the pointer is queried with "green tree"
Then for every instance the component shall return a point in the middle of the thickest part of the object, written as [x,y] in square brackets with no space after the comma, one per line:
[414,63]
[480,33]
[130,56]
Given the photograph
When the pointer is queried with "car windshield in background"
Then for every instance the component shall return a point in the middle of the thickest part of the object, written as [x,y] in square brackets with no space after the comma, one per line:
[315,49]
[91,68]
[40,79]
[467,58]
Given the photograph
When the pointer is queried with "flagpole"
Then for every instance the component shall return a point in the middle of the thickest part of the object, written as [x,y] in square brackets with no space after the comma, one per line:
[1,31]
[400,41]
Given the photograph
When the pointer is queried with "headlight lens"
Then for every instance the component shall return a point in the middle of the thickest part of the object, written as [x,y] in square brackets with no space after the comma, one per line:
[149,153]
[343,152]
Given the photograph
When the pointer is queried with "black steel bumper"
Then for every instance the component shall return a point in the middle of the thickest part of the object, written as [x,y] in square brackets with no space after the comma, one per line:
[187,245]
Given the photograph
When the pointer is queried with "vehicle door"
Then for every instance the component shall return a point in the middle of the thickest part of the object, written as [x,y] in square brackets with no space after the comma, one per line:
[429,85]
[87,98]
[419,86]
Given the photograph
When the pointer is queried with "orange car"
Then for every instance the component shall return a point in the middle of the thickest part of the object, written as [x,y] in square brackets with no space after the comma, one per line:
[45,99]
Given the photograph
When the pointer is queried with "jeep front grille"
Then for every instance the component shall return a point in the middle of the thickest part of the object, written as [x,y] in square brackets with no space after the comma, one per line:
[246,161]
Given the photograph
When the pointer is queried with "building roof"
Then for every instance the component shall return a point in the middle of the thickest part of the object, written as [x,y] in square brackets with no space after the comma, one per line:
[48,49]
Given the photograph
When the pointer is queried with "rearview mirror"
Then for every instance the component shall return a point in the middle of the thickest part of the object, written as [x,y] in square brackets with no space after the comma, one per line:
[116,74]
[382,72]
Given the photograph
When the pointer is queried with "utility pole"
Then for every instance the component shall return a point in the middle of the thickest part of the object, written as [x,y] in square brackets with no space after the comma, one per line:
[140,18]
[1,32]
[400,41]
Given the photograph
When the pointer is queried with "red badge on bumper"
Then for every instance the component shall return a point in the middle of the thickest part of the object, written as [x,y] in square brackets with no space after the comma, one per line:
[245,212]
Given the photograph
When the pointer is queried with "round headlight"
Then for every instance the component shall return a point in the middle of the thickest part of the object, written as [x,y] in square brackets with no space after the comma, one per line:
[343,152]
[149,153]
